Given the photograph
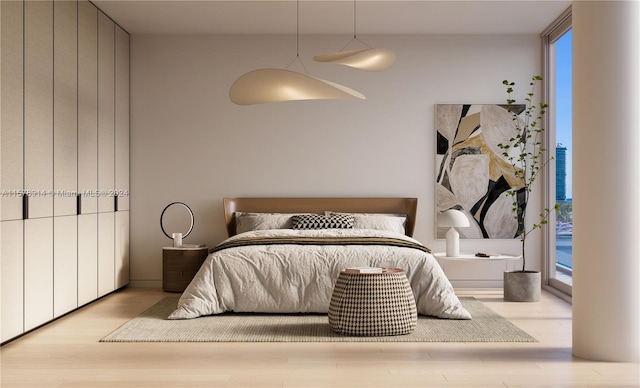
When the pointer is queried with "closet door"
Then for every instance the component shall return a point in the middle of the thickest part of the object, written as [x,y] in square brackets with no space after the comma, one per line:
[65,157]
[122,248]
[106,152]
[11,111]
[38,272]
[11,276]
[122,157]
[65,108]
[38,107]
[87,107]
[87,152]
[106,113]
[38,162]
[65,264]
[106,253]
[87,258]
[11,127]
[122,118]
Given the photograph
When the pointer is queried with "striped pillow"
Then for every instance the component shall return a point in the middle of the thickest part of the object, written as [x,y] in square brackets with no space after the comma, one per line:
[317,221]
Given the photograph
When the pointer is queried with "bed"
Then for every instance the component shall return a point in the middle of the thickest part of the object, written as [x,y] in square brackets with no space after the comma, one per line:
[283,255]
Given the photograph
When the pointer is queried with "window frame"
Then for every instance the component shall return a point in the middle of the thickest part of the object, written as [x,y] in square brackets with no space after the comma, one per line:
[549,36]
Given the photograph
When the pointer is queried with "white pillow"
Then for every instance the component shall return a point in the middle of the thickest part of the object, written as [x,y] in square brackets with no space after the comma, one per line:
[377,221]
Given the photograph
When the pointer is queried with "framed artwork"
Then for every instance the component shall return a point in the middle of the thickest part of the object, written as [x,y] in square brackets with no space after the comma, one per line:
[472,174]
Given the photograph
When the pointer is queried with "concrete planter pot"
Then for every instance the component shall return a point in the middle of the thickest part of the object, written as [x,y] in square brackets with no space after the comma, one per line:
[522,286]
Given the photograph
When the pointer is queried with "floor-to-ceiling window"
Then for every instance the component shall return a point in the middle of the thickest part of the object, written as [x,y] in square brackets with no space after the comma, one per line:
[558,75]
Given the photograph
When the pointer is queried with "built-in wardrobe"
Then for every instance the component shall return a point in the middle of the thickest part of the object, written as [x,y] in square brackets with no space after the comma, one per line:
[64,210]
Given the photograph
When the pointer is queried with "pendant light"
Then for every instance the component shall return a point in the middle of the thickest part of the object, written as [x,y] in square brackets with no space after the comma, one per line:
[276,85]
[370,59]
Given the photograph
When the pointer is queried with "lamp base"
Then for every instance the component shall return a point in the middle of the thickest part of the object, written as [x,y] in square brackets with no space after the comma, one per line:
[453,243]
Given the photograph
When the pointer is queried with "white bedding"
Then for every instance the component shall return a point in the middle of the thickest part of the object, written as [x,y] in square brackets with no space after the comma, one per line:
[300,278]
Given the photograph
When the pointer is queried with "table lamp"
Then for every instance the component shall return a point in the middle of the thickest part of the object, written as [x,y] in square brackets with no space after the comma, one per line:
[177,237]
[452,219]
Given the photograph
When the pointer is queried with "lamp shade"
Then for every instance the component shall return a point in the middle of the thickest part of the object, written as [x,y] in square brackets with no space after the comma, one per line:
[274,85]
[373,59]
[452,218]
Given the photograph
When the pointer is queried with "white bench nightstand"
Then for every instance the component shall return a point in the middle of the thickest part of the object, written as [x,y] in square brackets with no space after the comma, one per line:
[473,257]
[442,259]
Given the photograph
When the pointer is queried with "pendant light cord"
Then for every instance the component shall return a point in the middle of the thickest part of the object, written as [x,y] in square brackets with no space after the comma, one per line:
[355,34]
[297,41]
[297,28]
[354,20]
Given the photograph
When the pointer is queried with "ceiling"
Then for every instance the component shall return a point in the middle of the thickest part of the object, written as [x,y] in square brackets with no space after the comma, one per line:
[333,16]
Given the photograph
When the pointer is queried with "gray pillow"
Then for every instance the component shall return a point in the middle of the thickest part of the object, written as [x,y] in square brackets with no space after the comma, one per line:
[377,221]
[246,222]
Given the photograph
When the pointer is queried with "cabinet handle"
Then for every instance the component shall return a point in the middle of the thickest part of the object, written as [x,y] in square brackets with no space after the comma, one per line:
[115,203]
[78,204]
[25,207]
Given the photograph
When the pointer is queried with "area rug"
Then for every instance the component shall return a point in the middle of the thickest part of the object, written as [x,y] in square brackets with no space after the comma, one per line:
[152,326]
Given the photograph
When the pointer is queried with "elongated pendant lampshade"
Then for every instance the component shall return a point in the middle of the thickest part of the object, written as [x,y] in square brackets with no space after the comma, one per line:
[274,85]
[373,59]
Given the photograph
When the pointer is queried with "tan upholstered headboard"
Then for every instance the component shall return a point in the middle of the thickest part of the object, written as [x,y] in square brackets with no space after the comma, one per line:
[406,206]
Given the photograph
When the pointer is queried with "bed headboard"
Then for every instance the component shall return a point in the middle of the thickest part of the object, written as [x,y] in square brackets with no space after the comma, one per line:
[406,206]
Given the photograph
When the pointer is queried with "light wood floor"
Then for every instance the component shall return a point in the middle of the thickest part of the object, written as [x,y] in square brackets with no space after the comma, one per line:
[67,353]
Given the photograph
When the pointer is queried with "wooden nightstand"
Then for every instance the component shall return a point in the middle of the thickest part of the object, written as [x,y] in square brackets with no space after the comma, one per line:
[179,266]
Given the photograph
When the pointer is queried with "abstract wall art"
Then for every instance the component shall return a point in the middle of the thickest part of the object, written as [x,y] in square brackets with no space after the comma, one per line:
[472,174]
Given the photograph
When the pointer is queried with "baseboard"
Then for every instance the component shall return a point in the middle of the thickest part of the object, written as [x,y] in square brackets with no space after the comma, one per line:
[476,283]
[145,283]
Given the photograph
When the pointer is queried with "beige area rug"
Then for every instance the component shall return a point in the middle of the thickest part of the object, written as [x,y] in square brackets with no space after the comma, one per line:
[151,326]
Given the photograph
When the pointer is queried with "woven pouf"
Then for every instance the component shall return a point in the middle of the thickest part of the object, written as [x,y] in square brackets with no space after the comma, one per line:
[373,304]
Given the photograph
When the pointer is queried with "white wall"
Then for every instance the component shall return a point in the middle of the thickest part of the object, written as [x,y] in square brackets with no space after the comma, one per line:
[190,143]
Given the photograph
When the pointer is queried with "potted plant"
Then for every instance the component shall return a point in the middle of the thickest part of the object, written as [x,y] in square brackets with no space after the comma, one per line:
[528,156]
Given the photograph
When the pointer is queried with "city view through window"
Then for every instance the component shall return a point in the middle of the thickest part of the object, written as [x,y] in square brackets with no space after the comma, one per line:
[563,126]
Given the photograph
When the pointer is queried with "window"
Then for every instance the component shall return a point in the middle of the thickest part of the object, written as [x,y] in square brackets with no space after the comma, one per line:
[558,86]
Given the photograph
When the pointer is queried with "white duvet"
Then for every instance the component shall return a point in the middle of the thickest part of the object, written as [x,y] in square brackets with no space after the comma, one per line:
[300,278]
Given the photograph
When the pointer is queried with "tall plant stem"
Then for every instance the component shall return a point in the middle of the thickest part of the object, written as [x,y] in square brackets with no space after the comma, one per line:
[524,261]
